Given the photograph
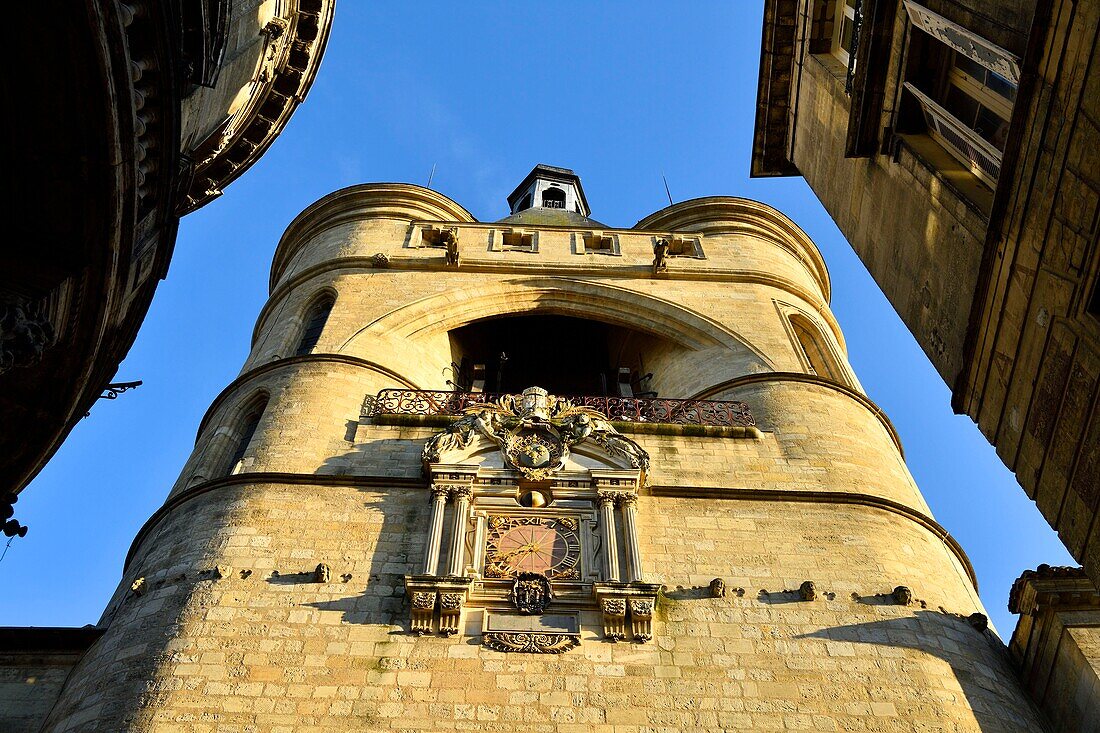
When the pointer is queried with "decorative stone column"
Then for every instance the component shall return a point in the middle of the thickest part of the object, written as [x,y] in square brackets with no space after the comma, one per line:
[629,507]
[610,539]
[478,559]
[461,496]
[435,528]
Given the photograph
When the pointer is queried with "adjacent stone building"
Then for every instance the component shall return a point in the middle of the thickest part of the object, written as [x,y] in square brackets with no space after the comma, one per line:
[540,474]
[954,143]
[131,114]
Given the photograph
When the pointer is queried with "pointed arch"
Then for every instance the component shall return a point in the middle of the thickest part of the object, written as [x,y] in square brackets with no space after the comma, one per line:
[242,430]
[314,321]
[816,355]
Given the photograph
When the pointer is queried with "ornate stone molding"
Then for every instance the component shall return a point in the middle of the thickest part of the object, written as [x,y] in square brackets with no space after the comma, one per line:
[422,609]
[627,610]
[426,592]
[25,332]
[530,642]
[293,49]
[614,618]
[534,432]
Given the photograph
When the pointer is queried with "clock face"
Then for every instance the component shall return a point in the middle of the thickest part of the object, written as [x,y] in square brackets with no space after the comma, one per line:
[547,545]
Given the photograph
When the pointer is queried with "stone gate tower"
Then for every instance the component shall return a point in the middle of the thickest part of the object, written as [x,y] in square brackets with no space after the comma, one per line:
[544,474]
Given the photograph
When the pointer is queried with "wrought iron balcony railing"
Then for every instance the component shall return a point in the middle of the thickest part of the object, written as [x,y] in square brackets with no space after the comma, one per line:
[723,413]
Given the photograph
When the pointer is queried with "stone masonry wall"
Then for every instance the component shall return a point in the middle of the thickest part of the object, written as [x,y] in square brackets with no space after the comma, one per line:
[274,651]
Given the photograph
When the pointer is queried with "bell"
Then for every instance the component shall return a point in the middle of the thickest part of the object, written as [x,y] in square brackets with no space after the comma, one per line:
[534,499]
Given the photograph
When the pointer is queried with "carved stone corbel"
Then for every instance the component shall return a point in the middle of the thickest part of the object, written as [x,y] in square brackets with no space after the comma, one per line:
[641,618]
[627,609]
[423,608]
[614,618]
[428,591]
[450,612]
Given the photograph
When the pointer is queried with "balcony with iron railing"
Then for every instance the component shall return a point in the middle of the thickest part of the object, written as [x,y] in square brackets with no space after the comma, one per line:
[654,410]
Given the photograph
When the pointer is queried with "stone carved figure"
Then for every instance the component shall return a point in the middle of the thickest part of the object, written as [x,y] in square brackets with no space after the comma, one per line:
[25,332]
[717,588]
[449,239]
[535,431]
[660,256]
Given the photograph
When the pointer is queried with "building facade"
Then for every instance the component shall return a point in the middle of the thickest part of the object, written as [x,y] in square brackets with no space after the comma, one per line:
[390,521]
[954,144]
[137,113]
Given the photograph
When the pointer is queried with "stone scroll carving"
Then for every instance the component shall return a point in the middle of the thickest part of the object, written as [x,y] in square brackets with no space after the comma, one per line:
[532,643]
[535,431]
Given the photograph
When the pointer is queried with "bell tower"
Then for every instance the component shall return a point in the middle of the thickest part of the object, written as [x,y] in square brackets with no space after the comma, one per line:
[549,187]
[546,473]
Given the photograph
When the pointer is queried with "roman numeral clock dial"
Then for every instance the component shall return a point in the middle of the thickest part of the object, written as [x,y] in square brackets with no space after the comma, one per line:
[550,546]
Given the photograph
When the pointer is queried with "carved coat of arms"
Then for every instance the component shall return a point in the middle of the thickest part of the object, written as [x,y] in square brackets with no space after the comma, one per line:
[535,431]
[531,593]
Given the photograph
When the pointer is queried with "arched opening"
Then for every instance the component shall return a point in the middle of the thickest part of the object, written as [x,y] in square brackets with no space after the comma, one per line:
[814,349]
[563,354]
[247,424]
[315,320]
[524,204]
[553,198]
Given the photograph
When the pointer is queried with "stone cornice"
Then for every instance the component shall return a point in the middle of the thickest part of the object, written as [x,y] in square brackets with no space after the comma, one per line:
[290,361]
[296,42]
[807,379]
[729,214]
[1065,587]
[687,492]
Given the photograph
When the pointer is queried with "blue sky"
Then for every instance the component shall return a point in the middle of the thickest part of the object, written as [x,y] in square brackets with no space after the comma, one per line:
[620,92]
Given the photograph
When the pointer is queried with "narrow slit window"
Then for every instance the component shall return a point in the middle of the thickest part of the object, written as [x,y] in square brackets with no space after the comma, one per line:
[248,430]
[315,324]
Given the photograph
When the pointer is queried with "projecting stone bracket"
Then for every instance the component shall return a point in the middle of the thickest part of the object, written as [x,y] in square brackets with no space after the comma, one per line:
[627,610]
[426,592]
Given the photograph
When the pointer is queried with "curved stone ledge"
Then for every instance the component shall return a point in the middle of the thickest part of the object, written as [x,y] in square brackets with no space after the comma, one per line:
[405,201]
[290,361]
[815,379]
[685,492]
[296,43]
[714,214]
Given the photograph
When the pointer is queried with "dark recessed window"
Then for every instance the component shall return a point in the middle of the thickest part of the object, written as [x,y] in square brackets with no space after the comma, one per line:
[315,324]
[248,427]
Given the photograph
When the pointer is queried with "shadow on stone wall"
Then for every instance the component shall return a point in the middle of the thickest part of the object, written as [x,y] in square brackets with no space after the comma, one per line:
[994,708]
